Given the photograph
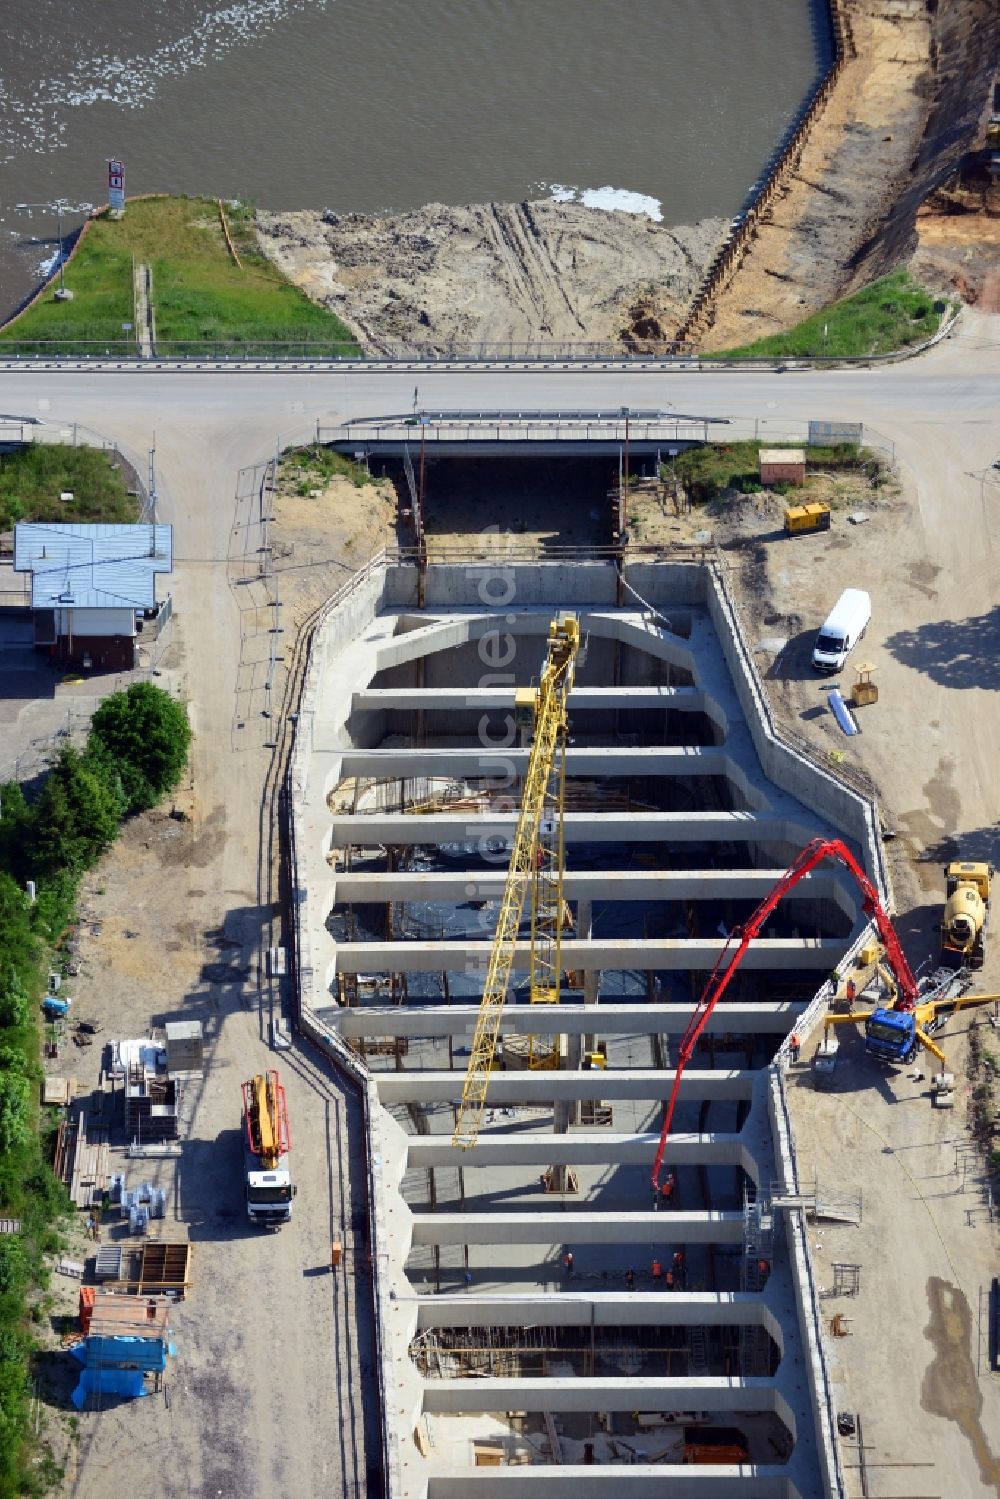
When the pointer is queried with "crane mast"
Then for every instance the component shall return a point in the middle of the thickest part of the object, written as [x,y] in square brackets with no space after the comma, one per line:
[536,863]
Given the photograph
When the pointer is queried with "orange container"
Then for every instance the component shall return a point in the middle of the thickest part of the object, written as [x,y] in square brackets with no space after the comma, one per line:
[88,1296]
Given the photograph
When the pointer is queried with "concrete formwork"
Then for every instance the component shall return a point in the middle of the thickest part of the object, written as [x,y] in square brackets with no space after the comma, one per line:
[403,745]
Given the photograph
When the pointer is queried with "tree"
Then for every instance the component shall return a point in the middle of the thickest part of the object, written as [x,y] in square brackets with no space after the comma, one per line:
[15,816]
[75,818]
[15,1105]
[143,735]
[15,1005]
[18,954]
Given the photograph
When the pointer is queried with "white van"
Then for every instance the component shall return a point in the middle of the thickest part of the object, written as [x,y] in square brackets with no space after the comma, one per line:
[844,627]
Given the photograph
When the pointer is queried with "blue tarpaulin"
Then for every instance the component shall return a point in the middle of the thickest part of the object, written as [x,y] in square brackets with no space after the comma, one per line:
[128,1382]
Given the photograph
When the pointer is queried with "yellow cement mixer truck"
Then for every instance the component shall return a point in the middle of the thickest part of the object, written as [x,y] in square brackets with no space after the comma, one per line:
[966,913]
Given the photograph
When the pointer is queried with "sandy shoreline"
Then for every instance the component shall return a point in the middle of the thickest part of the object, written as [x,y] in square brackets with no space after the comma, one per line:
[494,272]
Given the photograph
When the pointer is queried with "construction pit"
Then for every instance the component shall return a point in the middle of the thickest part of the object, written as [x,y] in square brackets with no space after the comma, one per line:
[500,1362]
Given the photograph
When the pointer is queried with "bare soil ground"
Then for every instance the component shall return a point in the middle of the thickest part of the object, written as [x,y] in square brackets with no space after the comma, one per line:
[787,586]
[493,272]
[659,514]
[959,239]
[914,1360]
[927,1254]
[319,540]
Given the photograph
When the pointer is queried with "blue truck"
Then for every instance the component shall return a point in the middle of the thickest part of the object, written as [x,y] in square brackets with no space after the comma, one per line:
[891,1035]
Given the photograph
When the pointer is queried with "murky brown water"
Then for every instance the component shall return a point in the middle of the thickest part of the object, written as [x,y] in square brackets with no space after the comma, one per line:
[369,104]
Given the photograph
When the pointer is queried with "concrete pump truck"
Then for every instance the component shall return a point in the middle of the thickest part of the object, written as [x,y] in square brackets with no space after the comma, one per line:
[266,1143]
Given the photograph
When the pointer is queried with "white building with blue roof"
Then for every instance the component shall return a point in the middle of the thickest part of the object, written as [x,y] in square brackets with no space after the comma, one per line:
[93,588]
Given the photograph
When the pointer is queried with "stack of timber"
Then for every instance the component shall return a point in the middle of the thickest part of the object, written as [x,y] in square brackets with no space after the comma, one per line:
[86,1161]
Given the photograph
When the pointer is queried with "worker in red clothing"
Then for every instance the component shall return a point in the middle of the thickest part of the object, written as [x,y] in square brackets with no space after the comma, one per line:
[668,1188]
[568,1263]
[680,1267]
[670,1281]
[763,1270]
[794,1046]
[657,1273]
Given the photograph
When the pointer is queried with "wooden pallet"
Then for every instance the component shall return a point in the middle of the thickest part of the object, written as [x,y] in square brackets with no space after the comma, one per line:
[89,1174]
[58,1090]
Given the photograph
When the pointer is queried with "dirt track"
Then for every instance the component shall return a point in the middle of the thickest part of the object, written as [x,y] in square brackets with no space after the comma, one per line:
[493,271]
[265,1395]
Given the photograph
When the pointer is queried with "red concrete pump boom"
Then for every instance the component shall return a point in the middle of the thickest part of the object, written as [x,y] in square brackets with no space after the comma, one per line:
[740,938]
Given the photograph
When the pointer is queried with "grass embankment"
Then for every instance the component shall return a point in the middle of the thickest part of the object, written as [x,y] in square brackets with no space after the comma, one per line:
[891,314]
[707,472]
[308,470]
[136,750]
[202,300]
[32,479]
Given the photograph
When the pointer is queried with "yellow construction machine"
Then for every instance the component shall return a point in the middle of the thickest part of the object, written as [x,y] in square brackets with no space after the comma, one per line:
[536,864]
[966,913]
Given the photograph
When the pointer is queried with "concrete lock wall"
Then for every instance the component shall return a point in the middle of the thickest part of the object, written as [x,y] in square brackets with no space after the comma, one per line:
[347,617]
[806,1293]
[852,813]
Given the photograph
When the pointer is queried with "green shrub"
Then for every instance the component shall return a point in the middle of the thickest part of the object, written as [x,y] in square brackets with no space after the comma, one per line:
[139,741]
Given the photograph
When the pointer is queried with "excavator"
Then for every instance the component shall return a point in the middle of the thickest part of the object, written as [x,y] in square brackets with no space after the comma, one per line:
[892,1032]
[536,866]
[266,1142]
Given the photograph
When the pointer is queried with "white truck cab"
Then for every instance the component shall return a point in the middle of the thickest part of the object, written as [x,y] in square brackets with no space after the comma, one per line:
[269,1193]
[843,628]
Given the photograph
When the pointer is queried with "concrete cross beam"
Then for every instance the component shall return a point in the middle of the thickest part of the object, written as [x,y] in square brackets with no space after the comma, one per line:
[529,1088]
[556,1227]
[604,885]
[505,765]
[411,699]
[605,1394]
[576,1149]
[600,1481]
[678,954]
[580,827]
[767,1019]
[611,1308]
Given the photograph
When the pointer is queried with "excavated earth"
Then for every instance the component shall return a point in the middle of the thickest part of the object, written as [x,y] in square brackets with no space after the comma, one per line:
[493,272]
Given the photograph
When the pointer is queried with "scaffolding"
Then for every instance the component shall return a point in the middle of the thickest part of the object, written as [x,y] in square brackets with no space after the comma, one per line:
[540,1352]
[755,1268]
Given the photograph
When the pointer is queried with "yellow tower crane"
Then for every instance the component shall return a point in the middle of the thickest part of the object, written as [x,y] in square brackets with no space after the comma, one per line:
[536,861]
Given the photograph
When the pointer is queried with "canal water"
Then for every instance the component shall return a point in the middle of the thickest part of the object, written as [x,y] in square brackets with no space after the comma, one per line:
[665,106]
